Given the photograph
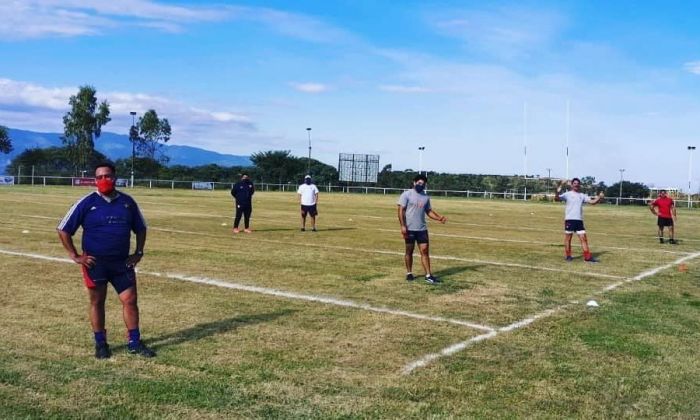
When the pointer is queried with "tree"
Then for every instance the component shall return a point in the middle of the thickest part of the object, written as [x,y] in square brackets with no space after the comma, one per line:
[83,124]
[153,131]
[278,165]
[5,141]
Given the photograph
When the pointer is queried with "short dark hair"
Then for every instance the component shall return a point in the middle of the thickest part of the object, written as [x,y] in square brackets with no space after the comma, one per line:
[420,177]
[662,191]
[575,179]
[106,164]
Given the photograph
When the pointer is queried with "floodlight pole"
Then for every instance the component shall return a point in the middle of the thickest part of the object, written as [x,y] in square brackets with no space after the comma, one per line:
[308,162]
[620,199]
[133,145]
[420,159]
[690,170]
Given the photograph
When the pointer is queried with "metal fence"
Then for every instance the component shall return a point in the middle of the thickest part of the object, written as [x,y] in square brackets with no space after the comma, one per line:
[78,182]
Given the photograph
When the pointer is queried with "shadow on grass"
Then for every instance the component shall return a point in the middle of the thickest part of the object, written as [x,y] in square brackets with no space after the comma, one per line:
[447,285]
[209,329]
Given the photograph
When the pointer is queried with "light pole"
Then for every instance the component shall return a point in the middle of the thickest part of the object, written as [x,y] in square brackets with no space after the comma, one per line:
[690,170]
[622,171]
[420,159]
[308,162]
[133,144]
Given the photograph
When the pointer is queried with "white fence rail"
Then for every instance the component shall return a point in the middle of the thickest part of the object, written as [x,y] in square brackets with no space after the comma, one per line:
[78,182]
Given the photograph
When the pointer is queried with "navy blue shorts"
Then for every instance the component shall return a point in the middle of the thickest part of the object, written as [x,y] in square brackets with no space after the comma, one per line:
[311,210]
[110,270]
[665,221]
[571,226]
[420,236]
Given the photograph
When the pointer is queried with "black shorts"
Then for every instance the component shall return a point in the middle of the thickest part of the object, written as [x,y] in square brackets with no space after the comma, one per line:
[420,236]
[571,226]
[311,210]
[110,270]
[665,221]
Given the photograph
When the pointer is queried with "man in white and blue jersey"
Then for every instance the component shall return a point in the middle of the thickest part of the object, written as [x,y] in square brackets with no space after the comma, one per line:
[108,217]
[573,216]
[414,204]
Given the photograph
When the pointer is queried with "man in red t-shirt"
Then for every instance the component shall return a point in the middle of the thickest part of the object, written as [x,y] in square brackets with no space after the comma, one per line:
[664,208]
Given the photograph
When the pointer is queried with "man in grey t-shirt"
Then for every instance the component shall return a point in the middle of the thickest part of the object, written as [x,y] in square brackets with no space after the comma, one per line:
[573,216]
[413,205]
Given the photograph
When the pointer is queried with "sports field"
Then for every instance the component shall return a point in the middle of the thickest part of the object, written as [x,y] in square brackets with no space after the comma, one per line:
[283,323]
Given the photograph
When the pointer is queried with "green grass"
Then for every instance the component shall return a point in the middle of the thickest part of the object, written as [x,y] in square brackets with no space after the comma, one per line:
[226,353]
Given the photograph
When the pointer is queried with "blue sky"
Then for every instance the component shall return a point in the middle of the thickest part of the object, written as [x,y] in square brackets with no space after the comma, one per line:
[472,81]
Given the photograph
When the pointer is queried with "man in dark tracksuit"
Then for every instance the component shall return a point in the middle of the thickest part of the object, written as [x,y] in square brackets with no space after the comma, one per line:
[242,192]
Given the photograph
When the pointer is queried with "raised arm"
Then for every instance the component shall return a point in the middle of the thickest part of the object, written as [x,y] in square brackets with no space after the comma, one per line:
[597,199]
[557,191]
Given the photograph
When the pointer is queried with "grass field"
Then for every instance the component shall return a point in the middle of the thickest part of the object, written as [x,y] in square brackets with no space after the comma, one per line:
[283,323]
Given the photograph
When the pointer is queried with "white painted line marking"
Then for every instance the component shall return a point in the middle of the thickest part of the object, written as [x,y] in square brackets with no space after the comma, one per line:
[280,293]
[383,252]
[448,351]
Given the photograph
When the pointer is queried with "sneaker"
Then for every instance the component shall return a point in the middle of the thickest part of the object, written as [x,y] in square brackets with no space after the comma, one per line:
[569,258]
[592,260]
[236,230]
[140,349]
[661,240]
[672,242]
[102,351]
[314,229]
[303,229]
[248,231]
[409,277]
[431,279]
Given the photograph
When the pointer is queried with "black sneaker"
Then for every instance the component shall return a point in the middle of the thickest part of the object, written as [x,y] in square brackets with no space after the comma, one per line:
[102,351]
[672,241]
[313,229]
[409,277]
[431,279]
[661,240]
[303,229]
[592,260]
[140,349]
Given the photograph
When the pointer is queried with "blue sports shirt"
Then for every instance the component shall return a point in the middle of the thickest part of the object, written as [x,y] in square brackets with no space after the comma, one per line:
[107,223]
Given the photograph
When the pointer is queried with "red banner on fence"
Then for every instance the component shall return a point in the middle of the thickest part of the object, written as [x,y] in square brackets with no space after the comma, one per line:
[84,182]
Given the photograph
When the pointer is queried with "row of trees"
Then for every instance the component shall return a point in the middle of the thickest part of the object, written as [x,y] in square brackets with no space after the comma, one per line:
[280,167]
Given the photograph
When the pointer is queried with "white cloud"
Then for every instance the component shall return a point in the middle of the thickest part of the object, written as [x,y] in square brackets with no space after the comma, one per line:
[693,67]
[31,19]
[30,106]
[404,89]
[310,87]
[506,32]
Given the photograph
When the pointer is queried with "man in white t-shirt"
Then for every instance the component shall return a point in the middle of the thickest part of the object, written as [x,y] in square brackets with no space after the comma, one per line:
[573,216]
[308,198]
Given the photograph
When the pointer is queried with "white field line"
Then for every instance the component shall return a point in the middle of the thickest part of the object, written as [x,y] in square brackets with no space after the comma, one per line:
[279,293]
[450,350]
[398,253]
[525,241]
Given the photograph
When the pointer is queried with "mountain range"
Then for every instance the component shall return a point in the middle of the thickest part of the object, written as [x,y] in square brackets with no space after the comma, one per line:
[118,146]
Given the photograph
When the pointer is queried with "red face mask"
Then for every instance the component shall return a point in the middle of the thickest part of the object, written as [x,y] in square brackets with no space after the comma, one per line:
[105,185]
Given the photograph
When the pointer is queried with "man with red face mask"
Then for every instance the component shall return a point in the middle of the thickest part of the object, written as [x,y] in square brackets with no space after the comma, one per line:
[108,217]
